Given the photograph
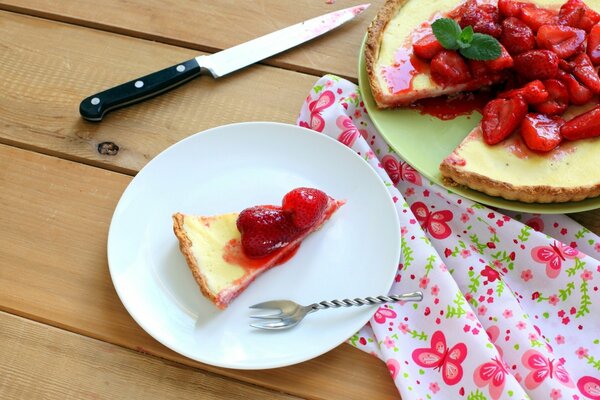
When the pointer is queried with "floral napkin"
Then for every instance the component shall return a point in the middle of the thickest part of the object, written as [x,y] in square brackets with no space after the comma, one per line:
[511,306]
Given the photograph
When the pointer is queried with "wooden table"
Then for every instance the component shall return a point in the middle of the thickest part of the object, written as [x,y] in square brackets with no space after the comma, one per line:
[63,331]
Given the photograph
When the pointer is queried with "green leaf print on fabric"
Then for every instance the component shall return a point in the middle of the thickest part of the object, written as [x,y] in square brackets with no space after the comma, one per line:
[406,253]
[476,395]
[525,233]
[581,233]
[578,265]
[593,362]
[565,293]
[418,335]
[459,310]
[318,88]
[585,300]
[475,284]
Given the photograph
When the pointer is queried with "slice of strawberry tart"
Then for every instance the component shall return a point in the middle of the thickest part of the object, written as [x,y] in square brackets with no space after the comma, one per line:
[226,252]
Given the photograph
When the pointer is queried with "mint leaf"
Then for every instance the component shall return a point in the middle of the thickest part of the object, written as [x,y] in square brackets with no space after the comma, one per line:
[447,31]
[467,34]
[482,47]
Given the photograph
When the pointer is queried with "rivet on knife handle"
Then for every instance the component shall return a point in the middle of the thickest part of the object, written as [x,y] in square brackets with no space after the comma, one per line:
[94,108]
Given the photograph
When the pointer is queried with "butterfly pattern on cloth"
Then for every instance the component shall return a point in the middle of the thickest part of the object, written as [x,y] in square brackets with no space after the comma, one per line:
[477,272]
[436,223]
[400,170]
[439,356]
[589,387]
[553,256]
[543,368]
[325,100]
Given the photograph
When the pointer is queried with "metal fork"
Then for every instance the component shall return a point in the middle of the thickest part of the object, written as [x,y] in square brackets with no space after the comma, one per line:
[291,313]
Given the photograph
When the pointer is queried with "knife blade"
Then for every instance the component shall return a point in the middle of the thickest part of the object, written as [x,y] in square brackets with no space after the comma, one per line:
[95,107]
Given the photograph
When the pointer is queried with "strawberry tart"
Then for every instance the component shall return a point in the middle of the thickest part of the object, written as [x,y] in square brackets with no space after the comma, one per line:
[226,252]
[539,137]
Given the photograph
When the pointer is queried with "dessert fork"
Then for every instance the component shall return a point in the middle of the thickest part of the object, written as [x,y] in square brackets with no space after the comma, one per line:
[291,313]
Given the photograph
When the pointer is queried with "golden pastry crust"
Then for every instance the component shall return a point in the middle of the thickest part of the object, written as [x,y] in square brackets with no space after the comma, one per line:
[372,44]
[454,176]
[185,245]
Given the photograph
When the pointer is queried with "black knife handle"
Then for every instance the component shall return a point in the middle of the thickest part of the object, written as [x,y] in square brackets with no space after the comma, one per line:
[94,107]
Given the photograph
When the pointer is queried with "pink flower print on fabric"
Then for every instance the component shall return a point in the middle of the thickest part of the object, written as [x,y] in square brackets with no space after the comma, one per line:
[398,170]
[439,357]
[325,100]
[543,368]
[492,374]
[435,223]
[553,255]
[384,313]
[589,387]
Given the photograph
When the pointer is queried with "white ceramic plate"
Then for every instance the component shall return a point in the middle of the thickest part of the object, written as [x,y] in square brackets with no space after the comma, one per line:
[229,168]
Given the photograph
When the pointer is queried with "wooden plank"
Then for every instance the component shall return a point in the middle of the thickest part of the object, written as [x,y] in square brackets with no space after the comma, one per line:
[213,25]
[39,361]
[55,216]
[47,68]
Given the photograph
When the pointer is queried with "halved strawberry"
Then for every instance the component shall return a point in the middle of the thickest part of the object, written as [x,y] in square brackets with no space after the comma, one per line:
[583,126]
[540,132]
[536,64]
[533,92]
[448,68]
[516,36]
[577,14]
[427,47]
[578,93]
[306,205]
[535,16]
[501,117]
[265,229]
[565,41]
[586,73]
[558,98]
[593,44]
[510,8]
[483,18]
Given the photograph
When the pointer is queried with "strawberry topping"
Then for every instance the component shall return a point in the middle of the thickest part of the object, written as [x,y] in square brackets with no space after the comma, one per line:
[501,117]
[265,229]
[578,93]
[540,132]
[535,17]
[584,126]
[306,205]
[593,44]
[533,93]
[565,41]
[536,64]
[558,98]
[448,68]
[427,47]
[586,73]
[578,15]
[516,36]
[510,8]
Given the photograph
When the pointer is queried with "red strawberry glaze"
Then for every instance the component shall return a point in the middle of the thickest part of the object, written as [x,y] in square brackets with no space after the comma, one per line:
[234,254]
[448,108]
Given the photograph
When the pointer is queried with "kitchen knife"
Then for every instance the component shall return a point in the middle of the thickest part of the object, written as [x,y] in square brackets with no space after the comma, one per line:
[94,108]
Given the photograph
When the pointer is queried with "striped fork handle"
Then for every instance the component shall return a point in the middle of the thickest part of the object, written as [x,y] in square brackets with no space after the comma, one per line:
[392,298]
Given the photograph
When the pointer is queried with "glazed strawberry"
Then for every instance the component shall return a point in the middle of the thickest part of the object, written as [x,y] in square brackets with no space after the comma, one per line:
[427,47]
[306,206]
[501,117]
[535,17]
[586,73]
[565,41]
[578,93]
[516,36]
[536,64]
[490,67]
[448,68]
[540,132]
[558,98]
[533,93]
[593,44]
[577,14]
[510,8]
[583,126]
[265,229]
[483,18]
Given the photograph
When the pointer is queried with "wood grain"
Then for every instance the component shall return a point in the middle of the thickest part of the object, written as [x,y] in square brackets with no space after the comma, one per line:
[55,216]
[39,361]
[47,68]
[213,25]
